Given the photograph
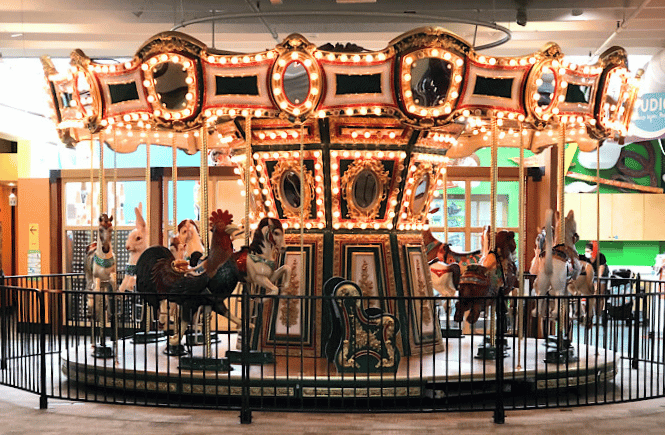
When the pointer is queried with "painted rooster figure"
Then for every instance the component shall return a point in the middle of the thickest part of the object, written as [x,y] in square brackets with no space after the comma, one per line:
[160,276]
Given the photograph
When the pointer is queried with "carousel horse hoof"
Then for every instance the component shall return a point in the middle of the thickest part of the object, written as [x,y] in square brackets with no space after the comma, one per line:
[175,350]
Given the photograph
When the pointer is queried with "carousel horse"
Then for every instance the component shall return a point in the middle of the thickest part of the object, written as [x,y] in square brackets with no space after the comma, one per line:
[137,242]
[495,271]
[581,286]
[445,277]
[99,265]
[557,265]
[256,263]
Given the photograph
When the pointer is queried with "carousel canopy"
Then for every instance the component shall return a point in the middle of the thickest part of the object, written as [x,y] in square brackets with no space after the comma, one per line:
[427,87]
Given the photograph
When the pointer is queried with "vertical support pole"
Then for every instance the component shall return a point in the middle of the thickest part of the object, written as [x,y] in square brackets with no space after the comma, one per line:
[148,189]
[245,410]
[302,208]
[203,221]
[499,410]
[174,181]
[520,309]
[639,301]
[4,319]
[43,399]
[102,178]
[493,228]
[560,185]
[445,200]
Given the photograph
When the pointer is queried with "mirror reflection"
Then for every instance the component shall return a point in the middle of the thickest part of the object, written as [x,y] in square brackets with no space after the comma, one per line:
[430,81]
[296,83]
[170,85]
[365,189]
[420,194]
[291,189]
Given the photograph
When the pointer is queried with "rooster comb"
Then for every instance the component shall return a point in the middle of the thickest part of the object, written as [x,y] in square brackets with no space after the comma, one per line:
[221,217]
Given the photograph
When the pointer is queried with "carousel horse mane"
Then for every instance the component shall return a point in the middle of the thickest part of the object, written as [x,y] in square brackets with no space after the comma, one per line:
[263,233]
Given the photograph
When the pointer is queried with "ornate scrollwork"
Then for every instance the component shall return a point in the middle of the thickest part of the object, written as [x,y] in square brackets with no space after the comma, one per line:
[364,186]
[285,173]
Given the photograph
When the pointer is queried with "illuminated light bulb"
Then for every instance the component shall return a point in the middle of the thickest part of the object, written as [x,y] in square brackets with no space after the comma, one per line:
[377,110]
[536,96]
[454,94]
[363,110]
[151,99]
[382,56]
[492,61]
[349,112]
[246,59]
[356,58]
[344,58]
[331,57]
[273,135]
[294,55]
[315,91]
[369,58]
[128,65]
[458,78]
[539,82]
[481,59]
[423,112]
[322,114]
[435,112]
[283,105]
[258,58]
[234,60]
[223,60]
[406,77]
[412,108]
[408,94]
[147,83]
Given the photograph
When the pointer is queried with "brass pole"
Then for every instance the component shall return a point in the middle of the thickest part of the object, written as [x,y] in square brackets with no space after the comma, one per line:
[522,249]
[148,193]
[561,182]
[203,218]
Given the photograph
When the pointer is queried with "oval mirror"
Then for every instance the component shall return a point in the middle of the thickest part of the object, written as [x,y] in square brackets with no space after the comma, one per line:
[170,85]
[291,189]
[430,81]
[420,194]
[296,83]
[365,189]
[545,88]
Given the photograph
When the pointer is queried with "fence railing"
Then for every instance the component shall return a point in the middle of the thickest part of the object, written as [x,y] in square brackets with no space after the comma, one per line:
[524,352]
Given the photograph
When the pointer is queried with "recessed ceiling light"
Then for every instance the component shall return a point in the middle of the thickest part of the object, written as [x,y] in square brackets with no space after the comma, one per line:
[16,35]
[577,12]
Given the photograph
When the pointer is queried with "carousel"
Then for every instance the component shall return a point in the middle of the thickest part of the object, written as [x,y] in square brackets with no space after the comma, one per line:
[339,151]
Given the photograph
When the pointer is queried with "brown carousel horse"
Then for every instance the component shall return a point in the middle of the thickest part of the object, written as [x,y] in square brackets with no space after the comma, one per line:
[495,271]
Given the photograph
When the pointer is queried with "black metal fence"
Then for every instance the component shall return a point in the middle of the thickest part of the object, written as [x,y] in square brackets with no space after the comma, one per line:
[524,352]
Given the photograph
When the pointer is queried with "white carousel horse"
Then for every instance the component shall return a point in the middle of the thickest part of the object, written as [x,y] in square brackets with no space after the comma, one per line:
[100,266]
[137,242]
[557,265]
[256,263]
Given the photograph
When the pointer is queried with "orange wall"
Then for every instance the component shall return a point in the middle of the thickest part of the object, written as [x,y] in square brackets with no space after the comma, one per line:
[6,223]
[34,208]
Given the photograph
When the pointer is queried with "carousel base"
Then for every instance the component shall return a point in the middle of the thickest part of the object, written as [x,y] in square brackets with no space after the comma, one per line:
[146,368]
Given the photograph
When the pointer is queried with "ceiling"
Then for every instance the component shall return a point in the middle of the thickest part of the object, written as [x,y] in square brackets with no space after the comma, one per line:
[116,28]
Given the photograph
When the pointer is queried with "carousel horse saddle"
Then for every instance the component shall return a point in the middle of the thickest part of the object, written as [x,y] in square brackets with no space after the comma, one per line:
[476,275]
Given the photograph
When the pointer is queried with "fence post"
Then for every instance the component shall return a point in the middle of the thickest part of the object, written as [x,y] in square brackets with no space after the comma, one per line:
[43,401]
[4,305]
[636,321]
[245,410]
[499,411]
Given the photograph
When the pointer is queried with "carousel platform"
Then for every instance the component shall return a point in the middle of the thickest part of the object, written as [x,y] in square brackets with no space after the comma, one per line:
[145,368]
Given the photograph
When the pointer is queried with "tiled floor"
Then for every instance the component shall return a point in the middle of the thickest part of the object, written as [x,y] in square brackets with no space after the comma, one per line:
[20,414]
